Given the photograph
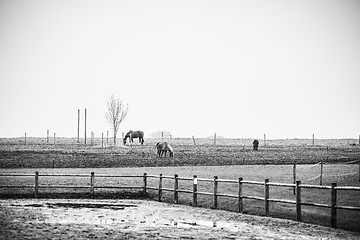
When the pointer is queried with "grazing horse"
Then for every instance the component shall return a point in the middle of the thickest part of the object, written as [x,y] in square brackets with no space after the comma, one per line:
[134,134]
[256,145]
[162,148]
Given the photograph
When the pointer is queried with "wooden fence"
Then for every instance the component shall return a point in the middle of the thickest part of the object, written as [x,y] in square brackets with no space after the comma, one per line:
[240,195]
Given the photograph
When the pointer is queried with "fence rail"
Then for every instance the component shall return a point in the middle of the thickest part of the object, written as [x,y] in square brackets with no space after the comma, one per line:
[240,195]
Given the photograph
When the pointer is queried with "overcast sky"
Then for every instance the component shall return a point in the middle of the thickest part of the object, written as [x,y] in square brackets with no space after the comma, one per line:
[240,69]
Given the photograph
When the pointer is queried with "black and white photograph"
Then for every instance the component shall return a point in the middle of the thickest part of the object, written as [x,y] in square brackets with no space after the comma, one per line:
[169,119]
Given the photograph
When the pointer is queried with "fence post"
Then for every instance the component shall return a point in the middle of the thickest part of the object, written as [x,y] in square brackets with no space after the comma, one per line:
[131,142]
[47,136]
[160,187]
[215,192]
[92,181]
[321,172]
[266,196]
[298,201]
[102,140]
[194,140]
[25,138]
[313,140]
[333,206]
[78,127]
[294,178]
[176,186]
[359,170]
[240,200]
[85,128]
[195,191]
[145,183]
[54,138]
[264,139]
[36,184]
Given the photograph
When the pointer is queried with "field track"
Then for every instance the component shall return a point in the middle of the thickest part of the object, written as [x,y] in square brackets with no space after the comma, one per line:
[136,219]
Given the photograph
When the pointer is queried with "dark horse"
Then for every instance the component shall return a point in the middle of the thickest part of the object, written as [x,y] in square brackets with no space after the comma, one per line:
[256,145]
[134,134]
[162,148]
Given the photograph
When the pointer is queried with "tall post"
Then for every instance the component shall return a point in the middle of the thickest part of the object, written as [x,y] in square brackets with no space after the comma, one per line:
[36,184]
[85,125]
[176,186]
[333,206]
[194,140]
[266,197]
[54,138]
[107,137]
[294,178]
[25,138]
[214,138]
[162,136]
[215,203]
[92,138]
[240,200]
[92,182]
[298,201]
[195,182]
[78,128]
[47,136]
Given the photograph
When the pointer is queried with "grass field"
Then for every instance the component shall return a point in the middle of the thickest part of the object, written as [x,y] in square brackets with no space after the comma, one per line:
[68,154]
[228,159]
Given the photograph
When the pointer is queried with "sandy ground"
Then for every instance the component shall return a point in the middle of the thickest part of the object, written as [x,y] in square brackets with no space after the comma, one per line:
[141,219]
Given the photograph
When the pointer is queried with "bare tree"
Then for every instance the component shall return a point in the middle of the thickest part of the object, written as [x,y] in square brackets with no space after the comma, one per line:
[116,113]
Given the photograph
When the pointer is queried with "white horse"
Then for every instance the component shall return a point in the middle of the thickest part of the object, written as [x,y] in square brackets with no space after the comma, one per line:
[162,148]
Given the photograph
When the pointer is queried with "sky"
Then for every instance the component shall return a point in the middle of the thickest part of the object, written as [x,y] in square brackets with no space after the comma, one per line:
[240,69]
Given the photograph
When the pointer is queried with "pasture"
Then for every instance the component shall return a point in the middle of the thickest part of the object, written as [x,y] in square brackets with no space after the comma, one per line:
[228,159]
[66,153]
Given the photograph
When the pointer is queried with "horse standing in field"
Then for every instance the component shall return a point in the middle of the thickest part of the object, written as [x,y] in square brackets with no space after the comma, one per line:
[134,134]
[256,145]
[162,148]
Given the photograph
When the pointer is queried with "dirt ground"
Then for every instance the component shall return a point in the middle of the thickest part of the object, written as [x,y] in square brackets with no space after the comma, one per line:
[141,219]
